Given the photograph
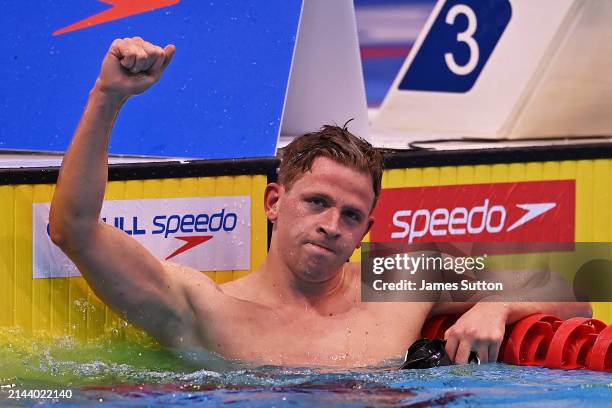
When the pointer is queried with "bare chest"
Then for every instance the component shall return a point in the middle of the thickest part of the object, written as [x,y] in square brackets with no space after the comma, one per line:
[364,336]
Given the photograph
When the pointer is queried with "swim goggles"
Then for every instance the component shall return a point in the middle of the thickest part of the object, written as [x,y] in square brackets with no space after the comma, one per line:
[425,353]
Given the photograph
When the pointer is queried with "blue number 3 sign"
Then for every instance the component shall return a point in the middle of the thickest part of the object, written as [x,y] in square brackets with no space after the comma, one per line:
[458,45]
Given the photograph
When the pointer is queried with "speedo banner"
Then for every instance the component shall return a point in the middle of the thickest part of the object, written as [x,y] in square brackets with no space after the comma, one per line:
[222,96]
[208,234]
[534,211]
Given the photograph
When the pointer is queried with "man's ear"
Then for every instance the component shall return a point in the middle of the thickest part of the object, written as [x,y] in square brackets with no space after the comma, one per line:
[271,200]
[370,223]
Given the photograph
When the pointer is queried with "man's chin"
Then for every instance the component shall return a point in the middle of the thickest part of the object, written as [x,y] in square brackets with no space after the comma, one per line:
[319,273]
[315,278]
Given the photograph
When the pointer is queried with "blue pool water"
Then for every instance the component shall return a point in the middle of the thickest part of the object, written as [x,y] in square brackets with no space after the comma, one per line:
[446,386]
[115,373]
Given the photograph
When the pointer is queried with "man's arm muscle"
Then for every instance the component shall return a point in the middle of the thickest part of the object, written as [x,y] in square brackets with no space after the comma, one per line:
[120,271]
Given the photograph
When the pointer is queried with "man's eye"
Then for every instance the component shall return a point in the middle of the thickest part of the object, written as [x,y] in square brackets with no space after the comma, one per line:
[353,216]
[316,202]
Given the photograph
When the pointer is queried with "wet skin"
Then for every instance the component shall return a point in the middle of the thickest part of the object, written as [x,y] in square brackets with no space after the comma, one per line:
[301,306]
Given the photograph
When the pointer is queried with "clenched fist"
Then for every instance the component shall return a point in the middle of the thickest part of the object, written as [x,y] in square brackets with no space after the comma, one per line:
[131,66]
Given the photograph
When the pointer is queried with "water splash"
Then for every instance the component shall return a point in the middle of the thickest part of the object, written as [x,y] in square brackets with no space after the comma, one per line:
[128,371]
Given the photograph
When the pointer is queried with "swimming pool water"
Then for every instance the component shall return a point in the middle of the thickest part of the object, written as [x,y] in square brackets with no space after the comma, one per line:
[123,372]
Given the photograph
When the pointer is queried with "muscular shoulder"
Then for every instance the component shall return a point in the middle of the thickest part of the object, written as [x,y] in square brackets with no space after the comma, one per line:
[195,297]
[209,303]
[192,281]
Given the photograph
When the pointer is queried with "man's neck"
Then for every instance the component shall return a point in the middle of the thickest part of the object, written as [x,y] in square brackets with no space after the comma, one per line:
[282,286]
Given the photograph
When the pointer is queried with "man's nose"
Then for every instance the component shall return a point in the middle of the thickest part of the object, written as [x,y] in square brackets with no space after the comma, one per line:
[329,224]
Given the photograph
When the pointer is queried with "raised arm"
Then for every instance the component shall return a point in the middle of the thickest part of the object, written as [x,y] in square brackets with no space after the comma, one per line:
[120,271]
[129,68]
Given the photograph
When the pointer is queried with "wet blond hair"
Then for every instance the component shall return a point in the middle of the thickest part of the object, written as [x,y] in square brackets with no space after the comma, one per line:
[336,143]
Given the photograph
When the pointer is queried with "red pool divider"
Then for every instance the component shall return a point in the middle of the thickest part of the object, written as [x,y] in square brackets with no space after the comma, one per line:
[600,358]
[435,327]
[546,340]
[572,341]
[528,340]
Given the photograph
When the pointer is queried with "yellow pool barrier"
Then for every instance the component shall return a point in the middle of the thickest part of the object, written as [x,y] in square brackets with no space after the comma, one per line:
[593,192]
[67,306]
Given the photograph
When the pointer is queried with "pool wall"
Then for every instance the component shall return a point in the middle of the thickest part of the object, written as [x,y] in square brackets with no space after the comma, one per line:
[66,306]
[592,177]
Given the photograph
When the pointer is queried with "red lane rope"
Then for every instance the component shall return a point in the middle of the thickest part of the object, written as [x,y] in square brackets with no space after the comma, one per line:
[547,341]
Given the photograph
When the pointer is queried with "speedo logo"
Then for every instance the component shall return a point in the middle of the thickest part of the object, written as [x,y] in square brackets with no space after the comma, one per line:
[205,233]
[540,211]
[119,9]
[176,225]
[170,224]
[461,220]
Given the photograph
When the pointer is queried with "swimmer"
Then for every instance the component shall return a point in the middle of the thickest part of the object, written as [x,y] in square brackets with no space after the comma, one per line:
[302,306]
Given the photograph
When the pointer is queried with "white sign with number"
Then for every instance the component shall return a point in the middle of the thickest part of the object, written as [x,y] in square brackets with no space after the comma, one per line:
[504,69]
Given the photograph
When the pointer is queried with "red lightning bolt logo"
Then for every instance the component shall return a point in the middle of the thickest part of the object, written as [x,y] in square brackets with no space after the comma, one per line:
[120,9]
[190,242]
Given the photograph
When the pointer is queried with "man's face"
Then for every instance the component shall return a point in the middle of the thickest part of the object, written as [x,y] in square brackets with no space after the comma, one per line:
[320,221]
